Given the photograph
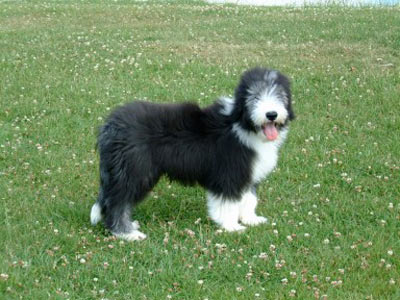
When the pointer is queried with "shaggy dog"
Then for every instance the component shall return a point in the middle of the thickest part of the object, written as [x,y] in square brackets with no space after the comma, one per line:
[227,148]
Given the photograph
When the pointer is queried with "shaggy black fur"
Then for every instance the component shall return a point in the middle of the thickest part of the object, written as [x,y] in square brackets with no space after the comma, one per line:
[141,141]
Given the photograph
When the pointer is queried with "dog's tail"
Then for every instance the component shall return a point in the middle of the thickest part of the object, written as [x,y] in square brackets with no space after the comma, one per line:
[95,214]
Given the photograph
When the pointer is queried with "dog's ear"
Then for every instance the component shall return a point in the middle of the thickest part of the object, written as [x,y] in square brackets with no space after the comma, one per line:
[239,102]
[237,111]
[241,94]
[240,114]
[240,98]
[289,108]
[285,82]
[292,116]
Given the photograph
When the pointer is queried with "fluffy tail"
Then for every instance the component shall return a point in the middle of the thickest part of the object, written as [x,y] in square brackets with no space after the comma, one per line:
[95,214]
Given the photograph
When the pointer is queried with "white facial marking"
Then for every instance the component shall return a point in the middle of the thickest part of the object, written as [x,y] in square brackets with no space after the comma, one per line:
[268,101]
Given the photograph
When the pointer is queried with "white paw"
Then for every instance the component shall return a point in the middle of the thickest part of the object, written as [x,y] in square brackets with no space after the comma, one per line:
[134,235]
[253,220]
[233,227]
[135,225]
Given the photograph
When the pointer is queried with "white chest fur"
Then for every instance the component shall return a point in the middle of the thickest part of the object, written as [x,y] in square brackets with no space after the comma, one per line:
[266,159]
[266,151]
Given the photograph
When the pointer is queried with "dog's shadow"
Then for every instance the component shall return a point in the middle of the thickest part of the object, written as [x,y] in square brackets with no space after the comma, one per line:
[167,202]
[172,202]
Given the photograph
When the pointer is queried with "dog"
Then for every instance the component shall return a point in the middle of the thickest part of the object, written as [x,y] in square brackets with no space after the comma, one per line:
[227,148]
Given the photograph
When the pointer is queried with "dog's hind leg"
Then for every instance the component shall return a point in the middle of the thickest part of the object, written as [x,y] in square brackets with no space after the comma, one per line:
[96,213]
[118,209]
[126,176]
[119,202]
[118,220]
[96,216]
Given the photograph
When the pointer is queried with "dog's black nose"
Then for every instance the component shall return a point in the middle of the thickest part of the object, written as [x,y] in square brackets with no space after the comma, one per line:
[271,115]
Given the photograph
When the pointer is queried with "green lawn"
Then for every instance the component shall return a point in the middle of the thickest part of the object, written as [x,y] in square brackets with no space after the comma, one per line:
[333,203]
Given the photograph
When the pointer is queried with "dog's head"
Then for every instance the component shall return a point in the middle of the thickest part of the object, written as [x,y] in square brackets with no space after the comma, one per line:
[262,102]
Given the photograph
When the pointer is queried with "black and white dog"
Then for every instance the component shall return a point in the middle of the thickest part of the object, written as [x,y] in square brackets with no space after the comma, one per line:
[227,148]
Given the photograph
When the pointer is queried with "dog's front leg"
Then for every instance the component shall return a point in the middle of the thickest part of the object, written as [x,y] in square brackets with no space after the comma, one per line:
[224,212]
[247,209]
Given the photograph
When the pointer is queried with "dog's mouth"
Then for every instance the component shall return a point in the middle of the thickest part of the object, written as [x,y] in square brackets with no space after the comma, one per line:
[270,130]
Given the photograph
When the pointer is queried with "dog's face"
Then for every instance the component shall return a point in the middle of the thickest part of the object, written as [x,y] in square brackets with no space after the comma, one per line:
[263,102]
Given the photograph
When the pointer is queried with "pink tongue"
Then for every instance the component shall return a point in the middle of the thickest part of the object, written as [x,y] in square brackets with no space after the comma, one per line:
[270,131]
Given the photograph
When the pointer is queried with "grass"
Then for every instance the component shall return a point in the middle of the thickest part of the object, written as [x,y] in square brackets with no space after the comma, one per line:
[333,202]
